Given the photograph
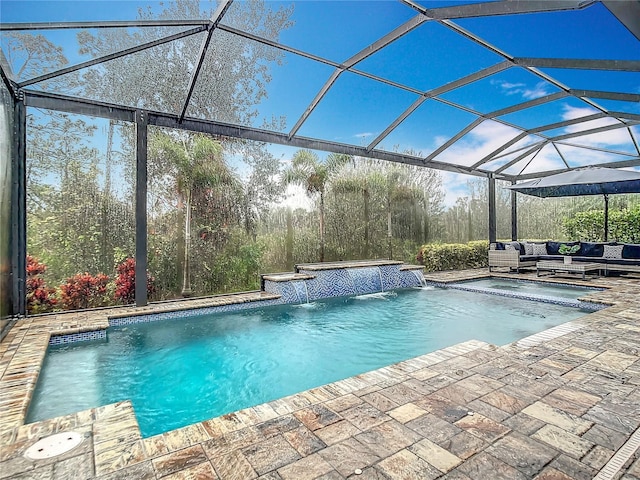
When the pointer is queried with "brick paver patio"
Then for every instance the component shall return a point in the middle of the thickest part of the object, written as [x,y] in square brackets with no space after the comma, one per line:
[564,404]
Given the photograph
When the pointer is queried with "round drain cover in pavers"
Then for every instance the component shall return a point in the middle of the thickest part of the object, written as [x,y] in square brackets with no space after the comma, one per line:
[54,445]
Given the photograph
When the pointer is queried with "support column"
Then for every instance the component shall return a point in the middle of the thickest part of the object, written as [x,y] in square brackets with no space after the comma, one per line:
[19,210]
[606,217]
[141,208]
[514,215]
[492,208]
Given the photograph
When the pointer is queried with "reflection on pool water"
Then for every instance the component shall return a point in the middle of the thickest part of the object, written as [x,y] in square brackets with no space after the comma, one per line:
[178,372]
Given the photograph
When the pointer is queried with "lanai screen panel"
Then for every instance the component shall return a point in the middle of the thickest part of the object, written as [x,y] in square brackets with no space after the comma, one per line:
[406,81]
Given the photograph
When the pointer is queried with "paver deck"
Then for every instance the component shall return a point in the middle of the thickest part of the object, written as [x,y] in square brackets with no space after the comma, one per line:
[558,405]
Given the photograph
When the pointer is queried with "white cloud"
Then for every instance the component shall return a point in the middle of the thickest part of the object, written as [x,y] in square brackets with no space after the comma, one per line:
[363,135]
[540,90]
[608,139]
[479,142]
[545,159]
[528,93]
[455,186]
[439,140]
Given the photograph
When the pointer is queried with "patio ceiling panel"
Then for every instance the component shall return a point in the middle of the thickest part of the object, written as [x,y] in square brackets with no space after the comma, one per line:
[627,13]
[590,32]
[581,124]
[480,86]
[136,78]
[594,148]
[484,9]
[635,133]
[547,158]
[502,90]
[568,108]
[294,79]
[616,140]
[325,28]
[426,128]
[619,106]
[582,157]
[217,15]
[520,145]
[356,109]
[100,12]
[437,91]
[475,146]
[100,55]
[358,57]
[603,80]
[428,57]
[583,135]
[501,160]
[527,154]
[535,162]
[75,46]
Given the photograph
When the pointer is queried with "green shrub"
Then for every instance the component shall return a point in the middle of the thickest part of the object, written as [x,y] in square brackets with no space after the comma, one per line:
[624,225]
[453,256]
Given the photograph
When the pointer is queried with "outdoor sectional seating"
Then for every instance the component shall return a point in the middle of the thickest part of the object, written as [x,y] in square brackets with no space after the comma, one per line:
[612,257]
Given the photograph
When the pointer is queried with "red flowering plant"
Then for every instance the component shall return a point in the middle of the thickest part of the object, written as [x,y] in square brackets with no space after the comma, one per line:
[126,282]
[40,298]
[84,291]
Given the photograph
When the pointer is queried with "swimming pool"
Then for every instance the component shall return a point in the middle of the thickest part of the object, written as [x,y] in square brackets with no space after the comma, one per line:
[178,372]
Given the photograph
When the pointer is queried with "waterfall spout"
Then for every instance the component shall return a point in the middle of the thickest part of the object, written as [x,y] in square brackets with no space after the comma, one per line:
[299,293]
[380,276]
[365,280]
[420,277]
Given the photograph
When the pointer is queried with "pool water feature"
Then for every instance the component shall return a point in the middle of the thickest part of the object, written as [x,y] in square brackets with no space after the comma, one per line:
[181,371]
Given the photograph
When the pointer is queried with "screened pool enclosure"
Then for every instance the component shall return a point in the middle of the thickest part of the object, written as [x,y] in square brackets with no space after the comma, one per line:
[96,101]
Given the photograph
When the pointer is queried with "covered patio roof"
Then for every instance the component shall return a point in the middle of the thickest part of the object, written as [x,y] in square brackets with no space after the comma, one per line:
[493,89]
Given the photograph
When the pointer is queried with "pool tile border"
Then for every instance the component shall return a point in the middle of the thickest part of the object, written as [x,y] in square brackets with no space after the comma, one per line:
[77,337]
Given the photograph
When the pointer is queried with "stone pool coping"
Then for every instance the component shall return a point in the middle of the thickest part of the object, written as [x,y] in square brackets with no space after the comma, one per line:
[558,404]
[316,267]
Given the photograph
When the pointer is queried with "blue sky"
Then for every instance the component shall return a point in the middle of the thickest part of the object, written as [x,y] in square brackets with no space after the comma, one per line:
[356,109]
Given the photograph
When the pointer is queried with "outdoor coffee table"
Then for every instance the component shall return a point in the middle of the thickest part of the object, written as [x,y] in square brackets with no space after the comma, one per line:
[577,267]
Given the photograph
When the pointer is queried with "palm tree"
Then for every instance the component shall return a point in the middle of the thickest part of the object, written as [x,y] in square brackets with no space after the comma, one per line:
[307,171]
[197,165]
[361,178]
[398,188]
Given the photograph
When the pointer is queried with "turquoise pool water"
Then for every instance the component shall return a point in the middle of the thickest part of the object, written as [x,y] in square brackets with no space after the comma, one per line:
[528,287]
[178,372]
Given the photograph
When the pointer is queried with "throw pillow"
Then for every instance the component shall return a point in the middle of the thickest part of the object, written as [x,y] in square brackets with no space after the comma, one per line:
[509,247]
[528,248]
[539,249]
[515,245]
[612,251]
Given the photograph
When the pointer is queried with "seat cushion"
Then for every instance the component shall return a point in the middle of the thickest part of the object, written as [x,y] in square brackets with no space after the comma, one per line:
[622,261]
[554,247]
[591,249]
[631,250]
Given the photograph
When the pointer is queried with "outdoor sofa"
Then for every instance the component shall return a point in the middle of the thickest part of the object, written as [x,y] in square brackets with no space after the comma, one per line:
[612,257]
